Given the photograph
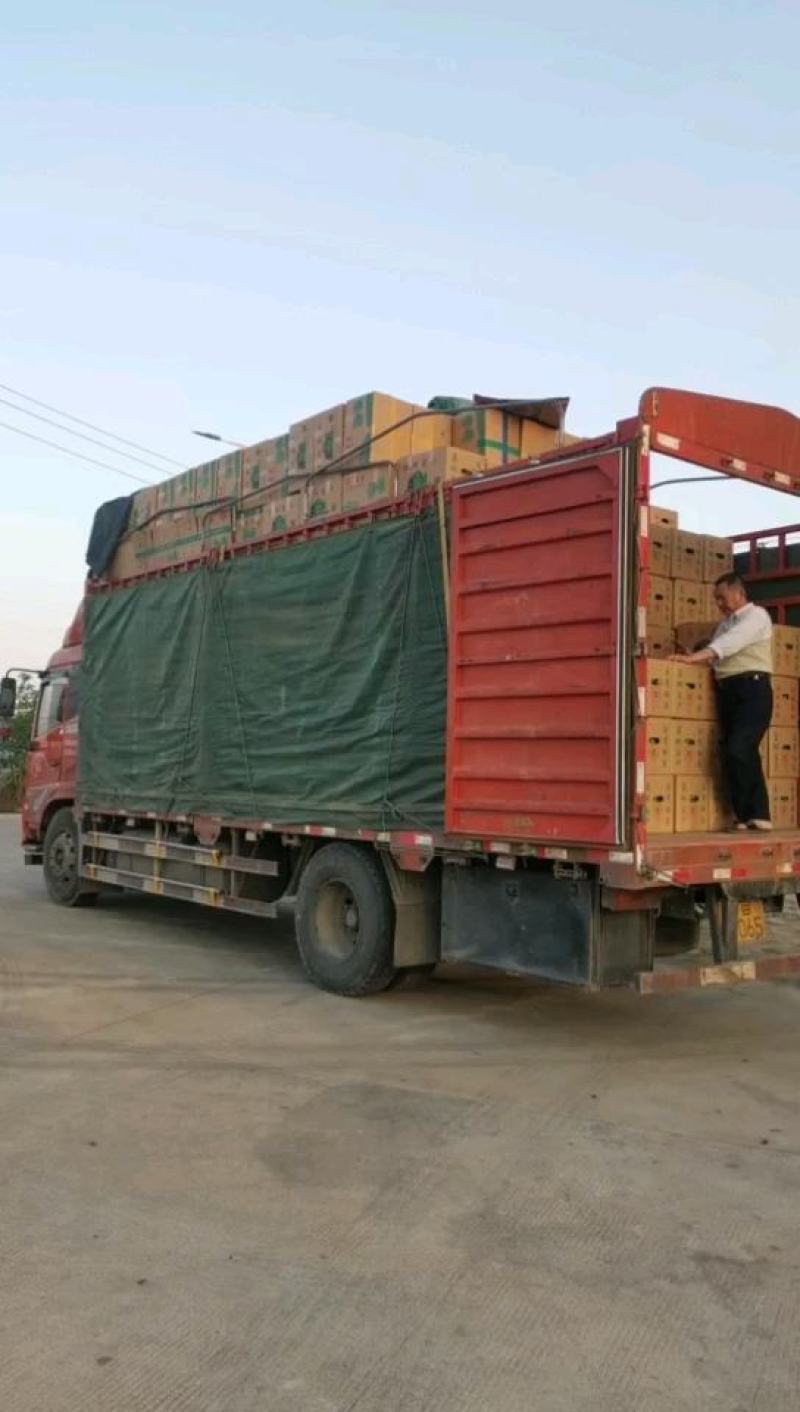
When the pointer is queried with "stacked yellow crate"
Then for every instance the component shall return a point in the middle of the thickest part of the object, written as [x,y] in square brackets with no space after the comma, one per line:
[681,747]
[372,448]
[780,748]
[682,793]
[378,447]
[684,788]
[683,567]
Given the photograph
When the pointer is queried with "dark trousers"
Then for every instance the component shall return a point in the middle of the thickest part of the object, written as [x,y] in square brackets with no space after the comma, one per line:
[744,704]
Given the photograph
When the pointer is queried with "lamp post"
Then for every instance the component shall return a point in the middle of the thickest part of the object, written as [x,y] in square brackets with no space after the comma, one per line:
[214,436]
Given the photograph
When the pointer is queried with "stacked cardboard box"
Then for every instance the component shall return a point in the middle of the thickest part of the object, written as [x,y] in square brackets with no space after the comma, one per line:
[502,436]
[370,448]
[681,747]
[682,796]
[683,568]
[659,515]
[278,508]
[316,442]
[786,651]
[264,464]
[430,467]
[683,785]
[368,486]
[371,428]
[384,481]
[780,748]
[377,427]
[490,432]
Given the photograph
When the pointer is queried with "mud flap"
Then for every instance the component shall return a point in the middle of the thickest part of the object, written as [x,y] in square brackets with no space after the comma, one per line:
[527,923]
[417,904]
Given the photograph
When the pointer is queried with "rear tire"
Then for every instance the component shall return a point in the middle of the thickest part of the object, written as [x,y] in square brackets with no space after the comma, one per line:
[60,860]
[344,921]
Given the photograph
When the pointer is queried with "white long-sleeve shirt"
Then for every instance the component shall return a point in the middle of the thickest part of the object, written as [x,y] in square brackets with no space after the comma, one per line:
[743,642]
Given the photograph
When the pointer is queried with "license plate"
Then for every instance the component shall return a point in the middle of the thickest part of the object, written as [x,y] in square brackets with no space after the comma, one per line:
[751,923]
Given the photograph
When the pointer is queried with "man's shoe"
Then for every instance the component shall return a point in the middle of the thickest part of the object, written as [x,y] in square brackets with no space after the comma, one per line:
[762,825]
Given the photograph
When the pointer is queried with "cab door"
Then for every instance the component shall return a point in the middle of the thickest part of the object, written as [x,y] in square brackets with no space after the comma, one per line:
[45,774]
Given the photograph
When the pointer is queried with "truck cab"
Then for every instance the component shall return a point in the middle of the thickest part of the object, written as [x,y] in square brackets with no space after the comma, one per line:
[51,769]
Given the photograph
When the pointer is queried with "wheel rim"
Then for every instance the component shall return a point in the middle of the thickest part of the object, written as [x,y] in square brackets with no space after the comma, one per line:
[63,862]
[338,924]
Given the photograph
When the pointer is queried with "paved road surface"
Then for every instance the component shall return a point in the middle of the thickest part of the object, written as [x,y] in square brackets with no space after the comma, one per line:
[223,1191]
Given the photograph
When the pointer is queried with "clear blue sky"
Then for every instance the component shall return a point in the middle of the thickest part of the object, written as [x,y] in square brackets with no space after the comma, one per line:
[235,217]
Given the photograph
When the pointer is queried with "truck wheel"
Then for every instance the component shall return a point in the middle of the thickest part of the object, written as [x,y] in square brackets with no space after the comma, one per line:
[60,859]
[344,921]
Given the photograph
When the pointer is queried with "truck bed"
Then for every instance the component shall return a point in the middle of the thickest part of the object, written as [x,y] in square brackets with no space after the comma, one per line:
[685,858]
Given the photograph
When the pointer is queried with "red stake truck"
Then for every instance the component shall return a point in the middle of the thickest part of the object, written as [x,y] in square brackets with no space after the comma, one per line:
[469,786]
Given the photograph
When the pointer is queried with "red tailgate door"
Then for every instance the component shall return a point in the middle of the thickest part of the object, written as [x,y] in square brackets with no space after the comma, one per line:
[540,652]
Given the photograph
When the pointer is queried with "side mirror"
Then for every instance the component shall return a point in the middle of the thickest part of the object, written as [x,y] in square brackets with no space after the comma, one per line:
[8,698]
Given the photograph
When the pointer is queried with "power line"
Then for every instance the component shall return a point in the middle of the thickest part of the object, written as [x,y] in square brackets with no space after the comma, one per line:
[80,422]
[82,434]
[78,455]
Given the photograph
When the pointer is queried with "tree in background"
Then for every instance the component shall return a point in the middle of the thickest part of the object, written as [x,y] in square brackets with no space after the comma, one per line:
[14,741]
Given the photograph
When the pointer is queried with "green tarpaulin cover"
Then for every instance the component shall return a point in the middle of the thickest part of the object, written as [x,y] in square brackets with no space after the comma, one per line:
[299,685]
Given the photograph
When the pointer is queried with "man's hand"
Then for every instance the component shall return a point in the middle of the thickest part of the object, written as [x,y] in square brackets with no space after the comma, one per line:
[694,659]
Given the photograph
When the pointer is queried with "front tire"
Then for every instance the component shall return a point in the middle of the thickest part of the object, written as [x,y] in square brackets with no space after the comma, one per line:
[60,857]
[344,921]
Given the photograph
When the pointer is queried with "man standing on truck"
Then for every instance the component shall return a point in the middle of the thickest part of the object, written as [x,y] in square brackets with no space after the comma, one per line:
[740,655]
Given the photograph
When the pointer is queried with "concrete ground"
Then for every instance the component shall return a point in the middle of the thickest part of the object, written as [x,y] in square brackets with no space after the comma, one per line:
[224,1191]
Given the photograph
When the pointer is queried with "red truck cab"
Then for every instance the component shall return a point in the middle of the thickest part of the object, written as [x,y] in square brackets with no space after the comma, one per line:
[51,770]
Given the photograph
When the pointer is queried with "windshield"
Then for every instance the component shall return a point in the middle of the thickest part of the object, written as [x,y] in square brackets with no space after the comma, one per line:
[49,711]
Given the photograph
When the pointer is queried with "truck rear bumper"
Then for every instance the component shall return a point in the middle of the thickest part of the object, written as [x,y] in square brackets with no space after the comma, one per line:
[675,978]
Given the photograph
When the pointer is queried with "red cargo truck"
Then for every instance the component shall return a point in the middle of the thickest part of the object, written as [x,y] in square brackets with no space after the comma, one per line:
[543,862]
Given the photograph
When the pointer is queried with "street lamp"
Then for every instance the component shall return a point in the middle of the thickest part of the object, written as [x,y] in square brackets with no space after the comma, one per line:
[214,436]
